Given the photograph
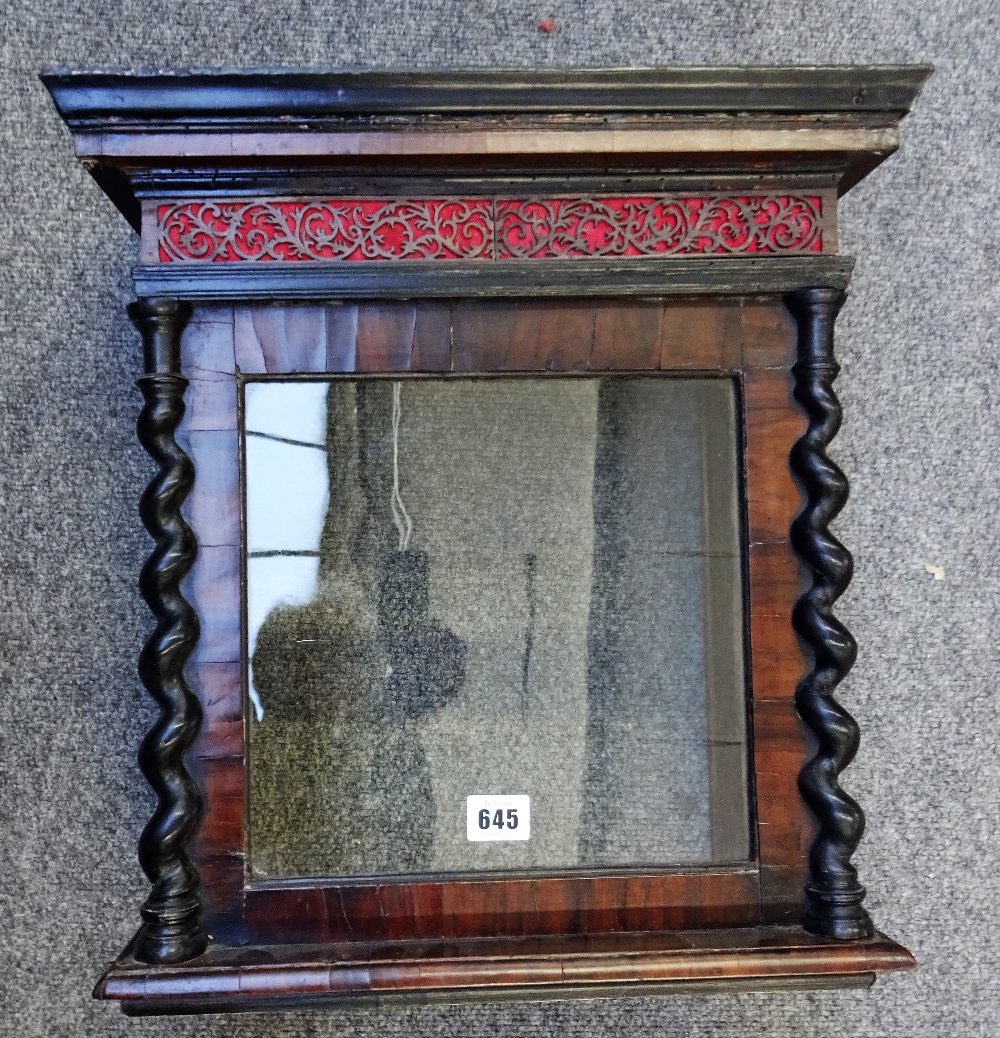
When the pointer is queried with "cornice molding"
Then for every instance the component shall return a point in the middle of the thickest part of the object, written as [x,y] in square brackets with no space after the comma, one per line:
[226,97]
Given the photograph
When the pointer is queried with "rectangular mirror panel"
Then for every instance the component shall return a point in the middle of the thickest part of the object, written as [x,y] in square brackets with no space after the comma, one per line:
[493,588]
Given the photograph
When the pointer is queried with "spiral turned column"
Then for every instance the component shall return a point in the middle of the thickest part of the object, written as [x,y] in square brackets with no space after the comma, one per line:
[834,894]
[171,930]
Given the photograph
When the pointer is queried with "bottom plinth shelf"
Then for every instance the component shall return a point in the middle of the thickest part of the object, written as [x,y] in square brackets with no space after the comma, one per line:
[227,979]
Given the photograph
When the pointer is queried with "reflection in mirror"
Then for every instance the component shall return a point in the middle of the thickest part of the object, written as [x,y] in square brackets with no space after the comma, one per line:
[504,586]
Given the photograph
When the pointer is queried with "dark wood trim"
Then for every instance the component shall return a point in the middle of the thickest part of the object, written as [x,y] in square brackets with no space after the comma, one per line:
[135,131]
[444,279]
[173,1005]
[834,893]
[639,964]
[834,121]
[204,181]
[171,930]
[277,97]
[589,902]
[482,339]
[772,425]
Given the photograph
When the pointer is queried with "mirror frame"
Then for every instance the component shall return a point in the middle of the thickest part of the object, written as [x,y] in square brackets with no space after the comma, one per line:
[222,174]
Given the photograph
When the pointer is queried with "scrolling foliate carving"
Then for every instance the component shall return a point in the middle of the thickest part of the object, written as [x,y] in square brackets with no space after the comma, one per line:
[704,225]
[326,229]
[497,229]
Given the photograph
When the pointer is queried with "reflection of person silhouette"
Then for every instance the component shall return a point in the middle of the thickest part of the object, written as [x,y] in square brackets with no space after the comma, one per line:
[339,777]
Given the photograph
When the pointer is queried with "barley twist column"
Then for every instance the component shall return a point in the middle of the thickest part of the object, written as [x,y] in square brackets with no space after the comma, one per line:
[171,930]
[833,891]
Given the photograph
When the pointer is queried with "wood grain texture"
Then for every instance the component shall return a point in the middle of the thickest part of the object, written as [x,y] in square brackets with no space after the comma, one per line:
[214,590]
[529,335]
[679,336]
[215,672]
[752,340]
[494,147]
[773,422]
[701,334]
[408,909]
[269,977]
[219,688]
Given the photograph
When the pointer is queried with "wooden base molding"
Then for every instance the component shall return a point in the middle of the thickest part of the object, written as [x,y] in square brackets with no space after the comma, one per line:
[246,980]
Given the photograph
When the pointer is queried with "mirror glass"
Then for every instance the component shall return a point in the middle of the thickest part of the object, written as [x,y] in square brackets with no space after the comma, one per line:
[523,591]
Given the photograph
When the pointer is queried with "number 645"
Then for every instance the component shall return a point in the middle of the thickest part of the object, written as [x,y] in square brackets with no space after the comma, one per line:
[497,820]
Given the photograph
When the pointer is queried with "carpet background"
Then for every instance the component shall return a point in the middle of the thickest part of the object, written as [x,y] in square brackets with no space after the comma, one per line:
[918,344]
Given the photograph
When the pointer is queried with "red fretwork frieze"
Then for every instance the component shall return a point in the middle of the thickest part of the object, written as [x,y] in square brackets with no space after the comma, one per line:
[487,229]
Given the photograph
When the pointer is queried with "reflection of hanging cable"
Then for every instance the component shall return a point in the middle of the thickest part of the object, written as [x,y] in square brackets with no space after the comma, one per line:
[400,516]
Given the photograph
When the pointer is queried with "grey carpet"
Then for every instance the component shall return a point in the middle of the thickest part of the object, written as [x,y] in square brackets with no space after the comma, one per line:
[919,348]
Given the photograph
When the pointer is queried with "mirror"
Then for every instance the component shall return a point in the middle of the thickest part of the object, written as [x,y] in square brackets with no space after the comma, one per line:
[501,587]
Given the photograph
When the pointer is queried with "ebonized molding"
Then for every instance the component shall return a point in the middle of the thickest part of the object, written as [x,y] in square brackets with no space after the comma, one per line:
[166,117]
[200,180]
[404,279]
[278,97]
[171,930]
[834,893]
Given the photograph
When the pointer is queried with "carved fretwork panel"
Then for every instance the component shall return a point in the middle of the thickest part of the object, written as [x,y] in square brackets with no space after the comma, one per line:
[498,228]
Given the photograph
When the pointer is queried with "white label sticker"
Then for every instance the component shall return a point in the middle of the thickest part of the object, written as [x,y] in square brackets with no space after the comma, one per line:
[498,818]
